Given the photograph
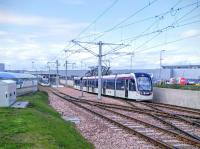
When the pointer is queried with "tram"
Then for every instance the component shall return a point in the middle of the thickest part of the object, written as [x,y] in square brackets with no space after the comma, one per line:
[136,86]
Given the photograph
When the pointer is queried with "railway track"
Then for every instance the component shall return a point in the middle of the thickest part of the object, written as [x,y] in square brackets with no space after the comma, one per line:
[179,108]
[174,122]
[164,137]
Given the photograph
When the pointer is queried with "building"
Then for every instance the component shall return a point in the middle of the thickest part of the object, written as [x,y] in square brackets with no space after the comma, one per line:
[181,67]
[187,71]
[25,83]
[2,67]
[7,92]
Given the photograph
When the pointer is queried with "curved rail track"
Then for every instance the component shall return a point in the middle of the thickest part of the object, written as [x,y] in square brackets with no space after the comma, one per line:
[158,131]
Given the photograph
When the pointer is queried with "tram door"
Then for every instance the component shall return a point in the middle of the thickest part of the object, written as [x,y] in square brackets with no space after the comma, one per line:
[104,86]
[126,88]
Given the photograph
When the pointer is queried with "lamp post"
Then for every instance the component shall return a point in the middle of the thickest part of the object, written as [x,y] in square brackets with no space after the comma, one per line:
[161,62]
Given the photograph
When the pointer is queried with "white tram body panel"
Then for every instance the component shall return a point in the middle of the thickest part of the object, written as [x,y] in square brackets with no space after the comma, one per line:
[136,86]
[85,89]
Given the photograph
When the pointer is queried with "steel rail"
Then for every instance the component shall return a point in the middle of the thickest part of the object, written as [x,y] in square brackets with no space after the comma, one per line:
[142,111]
[187,116]
[136,110]
[155,117]
[183,109]
[132,131]
[175,116]
[188,139]
[185,138]
[150,114]
[155,109]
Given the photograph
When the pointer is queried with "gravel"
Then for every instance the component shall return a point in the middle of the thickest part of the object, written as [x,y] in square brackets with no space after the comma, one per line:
[101,133]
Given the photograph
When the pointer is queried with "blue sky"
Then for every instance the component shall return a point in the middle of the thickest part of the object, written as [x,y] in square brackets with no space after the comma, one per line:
[35,30]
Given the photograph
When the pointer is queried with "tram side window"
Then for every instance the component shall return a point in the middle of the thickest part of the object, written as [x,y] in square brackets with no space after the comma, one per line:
[110,84]
[120,84]
[132,85]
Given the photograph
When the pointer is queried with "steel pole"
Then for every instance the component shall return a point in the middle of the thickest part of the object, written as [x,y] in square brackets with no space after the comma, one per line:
[49,77]
[160,63]
[99,70]
[66,74]
[160,66]
[57,78]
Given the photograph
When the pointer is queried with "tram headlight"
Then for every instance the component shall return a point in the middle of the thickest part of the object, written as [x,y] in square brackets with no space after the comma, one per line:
[145,93]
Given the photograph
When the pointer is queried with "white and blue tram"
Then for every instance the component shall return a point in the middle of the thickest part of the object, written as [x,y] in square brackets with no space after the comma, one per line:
[137,86]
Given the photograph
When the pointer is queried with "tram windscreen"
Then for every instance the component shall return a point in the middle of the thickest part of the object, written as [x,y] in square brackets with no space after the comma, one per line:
[144,84]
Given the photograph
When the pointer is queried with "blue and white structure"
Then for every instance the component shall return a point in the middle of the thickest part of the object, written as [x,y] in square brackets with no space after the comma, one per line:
[25,83]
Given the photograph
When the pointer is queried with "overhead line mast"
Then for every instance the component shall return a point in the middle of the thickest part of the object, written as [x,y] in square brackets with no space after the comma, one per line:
[99,55]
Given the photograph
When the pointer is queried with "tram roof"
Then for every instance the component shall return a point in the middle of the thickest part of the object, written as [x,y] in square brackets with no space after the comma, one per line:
[122,76]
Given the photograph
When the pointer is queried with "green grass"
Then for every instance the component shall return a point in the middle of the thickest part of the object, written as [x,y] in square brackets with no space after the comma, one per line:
[38,127]
[176,86]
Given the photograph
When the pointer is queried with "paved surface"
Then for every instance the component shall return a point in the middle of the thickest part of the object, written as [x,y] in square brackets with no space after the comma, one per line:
[20,104]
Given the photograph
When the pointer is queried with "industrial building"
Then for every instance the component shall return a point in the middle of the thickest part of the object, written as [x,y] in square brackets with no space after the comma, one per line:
[157,74]
[25,83]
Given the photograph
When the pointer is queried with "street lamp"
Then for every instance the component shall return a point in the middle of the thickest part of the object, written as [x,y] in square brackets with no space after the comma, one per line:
[161,62]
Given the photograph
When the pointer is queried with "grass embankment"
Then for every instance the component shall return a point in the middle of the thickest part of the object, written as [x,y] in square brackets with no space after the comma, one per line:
[175,86]
[38,126]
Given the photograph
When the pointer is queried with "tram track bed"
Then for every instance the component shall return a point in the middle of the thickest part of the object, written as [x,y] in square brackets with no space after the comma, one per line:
[101,133]
[171,137]
[147,105]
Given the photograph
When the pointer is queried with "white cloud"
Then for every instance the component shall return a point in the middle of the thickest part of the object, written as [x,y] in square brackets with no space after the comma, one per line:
[3,33]
[189,33]
[42,39]
[9,18]
[38,21]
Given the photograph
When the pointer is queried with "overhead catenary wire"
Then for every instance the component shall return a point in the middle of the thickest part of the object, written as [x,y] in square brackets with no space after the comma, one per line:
[148,28]
[149,18]
[126,19]
[94,21]
[158,45]
[169,42]
[171,27]
[167,28]
[159,18]
[98,17]
[159,31]
[137,12]
[164,28]
[145,19]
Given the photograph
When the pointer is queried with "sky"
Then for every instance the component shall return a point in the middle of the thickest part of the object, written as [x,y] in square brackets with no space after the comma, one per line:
[34,32]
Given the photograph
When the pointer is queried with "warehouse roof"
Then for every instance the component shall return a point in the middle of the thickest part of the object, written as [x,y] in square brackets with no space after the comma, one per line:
[11,75]
[181,66]
[7,82]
